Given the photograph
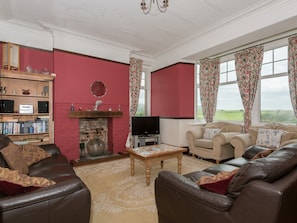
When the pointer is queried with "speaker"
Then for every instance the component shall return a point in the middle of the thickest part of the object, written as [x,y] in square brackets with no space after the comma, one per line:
[42,106]
[6,106]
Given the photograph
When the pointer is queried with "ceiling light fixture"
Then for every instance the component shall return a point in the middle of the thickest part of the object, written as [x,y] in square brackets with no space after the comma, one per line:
[161,6]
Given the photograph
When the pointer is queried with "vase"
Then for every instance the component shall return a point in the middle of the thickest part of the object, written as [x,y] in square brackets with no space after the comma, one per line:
[95,147]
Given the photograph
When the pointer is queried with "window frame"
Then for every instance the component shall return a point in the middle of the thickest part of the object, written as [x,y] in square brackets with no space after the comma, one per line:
[256,111]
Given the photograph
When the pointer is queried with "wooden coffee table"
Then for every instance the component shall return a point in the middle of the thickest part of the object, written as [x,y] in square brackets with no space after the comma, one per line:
[155,153]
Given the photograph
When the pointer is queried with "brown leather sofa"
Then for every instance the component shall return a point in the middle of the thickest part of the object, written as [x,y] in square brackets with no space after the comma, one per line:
[262,191]
[67,201]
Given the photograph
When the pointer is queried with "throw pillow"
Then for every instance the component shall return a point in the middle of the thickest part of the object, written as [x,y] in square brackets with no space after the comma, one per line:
[217,183]
[14,159]
[269,137]
[12,182]
[263,154]
[209,133]
[32,154]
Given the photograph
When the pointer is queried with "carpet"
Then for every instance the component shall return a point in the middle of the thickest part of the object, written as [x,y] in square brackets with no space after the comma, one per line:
[118,197]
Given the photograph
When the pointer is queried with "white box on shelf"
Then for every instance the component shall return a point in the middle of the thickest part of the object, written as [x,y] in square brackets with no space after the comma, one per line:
[26,109]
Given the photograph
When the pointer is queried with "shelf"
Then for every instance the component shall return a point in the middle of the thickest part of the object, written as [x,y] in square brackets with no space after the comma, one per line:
[26,76]
[95,114]
[32,127]
[22,95]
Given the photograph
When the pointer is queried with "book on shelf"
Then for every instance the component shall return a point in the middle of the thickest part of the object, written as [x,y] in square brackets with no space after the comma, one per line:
[29,127]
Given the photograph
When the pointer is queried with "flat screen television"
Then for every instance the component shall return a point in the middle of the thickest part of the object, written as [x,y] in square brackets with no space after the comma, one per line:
[145,125]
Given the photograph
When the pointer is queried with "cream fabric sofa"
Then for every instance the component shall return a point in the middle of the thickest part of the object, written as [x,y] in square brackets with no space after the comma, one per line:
[243,141]
[206,142]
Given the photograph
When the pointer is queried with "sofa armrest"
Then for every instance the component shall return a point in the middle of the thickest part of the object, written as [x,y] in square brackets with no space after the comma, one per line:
[224,137]
[174,191]
[52,149]
[60,189]
[192,135]
[291,141]
[260,199]
[240,143]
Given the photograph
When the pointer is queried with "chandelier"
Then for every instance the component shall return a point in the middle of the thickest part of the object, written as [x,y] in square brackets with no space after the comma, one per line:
[161,6]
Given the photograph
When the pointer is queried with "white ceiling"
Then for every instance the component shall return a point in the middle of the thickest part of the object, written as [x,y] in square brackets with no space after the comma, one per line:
[122,23]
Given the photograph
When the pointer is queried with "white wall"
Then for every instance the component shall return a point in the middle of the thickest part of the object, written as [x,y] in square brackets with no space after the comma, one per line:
[173,131]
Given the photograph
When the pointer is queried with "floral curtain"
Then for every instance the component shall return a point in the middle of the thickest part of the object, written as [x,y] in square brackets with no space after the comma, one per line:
[292,71]
[209,76]
[248,64]
[135,72]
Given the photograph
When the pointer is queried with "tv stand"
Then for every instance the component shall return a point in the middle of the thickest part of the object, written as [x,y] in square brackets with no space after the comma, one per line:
[143,140]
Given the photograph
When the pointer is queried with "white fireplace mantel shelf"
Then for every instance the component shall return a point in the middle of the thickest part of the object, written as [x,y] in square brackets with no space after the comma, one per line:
[95,114]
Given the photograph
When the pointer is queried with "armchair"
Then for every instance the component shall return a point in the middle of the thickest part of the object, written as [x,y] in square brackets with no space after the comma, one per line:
[242,142]
[212,140]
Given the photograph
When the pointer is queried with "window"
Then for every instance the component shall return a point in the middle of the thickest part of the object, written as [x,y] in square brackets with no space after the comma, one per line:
[275,97]
[199,114]
[273,102]
[229,104]
[141,110]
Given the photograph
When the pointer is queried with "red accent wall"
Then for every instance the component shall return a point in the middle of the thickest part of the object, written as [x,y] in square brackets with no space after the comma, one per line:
[75,73]
[37,59]
[172,92]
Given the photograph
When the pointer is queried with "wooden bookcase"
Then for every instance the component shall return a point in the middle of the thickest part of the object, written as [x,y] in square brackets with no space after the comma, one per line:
[33,89]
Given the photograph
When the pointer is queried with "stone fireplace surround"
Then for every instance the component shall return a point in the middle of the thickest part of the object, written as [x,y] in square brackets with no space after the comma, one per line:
[94,124]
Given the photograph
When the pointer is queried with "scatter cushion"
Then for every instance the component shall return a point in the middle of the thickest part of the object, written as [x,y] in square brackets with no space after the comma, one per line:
[217,183]
[32,154]
[12,182]
[263,154]
[14,159]
[209,133]
[4,141]
[269,137]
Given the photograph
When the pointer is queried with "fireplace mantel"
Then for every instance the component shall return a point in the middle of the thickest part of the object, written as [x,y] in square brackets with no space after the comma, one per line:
[95,114]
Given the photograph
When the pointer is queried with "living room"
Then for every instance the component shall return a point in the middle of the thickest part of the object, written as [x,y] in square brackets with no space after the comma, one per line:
[76,59]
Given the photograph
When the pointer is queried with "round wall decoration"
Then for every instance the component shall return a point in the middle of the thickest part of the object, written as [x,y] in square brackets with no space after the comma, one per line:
[98,89]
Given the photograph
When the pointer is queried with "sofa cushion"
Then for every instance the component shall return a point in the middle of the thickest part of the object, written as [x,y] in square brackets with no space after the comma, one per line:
[269,137]
[253,151]
[215,169]
[12,182]
[14,159]
[217,183]
[286,136]
[240,161]
[204,143]
[267,169]
[32,154]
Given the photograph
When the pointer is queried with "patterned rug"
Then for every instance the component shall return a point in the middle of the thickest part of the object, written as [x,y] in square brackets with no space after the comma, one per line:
[118,197]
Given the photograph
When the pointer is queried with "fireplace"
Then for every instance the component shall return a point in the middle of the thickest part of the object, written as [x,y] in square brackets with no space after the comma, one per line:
[93,133]
[93,138]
